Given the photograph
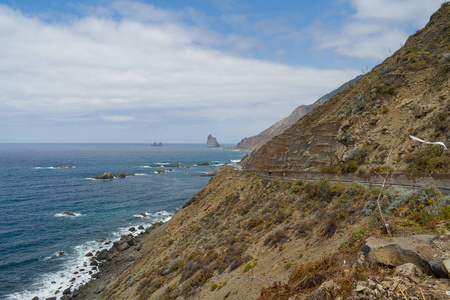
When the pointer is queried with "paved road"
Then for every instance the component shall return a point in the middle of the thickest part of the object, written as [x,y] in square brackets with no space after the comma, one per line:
[294,176]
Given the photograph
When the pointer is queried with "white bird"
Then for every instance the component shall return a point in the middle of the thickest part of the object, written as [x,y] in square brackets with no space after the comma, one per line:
[431,143]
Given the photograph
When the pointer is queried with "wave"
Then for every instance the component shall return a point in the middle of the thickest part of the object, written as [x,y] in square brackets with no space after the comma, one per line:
[76,270]
[54,168]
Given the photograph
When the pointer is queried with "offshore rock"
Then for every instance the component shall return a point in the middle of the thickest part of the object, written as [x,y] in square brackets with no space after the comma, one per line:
[174,165]
[212,142]
[106,175]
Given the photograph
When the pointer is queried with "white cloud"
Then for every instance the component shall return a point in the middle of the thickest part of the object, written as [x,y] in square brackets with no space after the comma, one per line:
[116,69]
[96,64]
[117,118]
[376,27]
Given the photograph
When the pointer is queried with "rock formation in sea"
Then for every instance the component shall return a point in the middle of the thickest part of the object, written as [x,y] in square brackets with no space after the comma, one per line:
[211,142]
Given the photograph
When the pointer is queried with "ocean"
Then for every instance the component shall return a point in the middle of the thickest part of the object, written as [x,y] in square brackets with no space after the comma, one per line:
[42,251]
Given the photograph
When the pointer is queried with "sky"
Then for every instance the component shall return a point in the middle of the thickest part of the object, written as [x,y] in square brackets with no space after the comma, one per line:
[107,71]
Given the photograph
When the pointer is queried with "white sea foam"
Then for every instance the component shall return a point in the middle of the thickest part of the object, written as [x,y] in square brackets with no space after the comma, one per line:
[235,161]
[53,168]
[77,270]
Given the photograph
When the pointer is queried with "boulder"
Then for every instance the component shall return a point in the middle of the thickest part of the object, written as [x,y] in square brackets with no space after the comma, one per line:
[160,171]
[89,254]
[174,165]
[63,167]
[106,175]
[68,213]
[205,163]
[119,175]
[186,166]
[211,142]
[66,291]
[132,229]
[155,166]
[426,251]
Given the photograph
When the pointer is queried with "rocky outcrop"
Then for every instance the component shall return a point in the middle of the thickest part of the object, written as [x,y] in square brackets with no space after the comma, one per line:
[211,142]
[106,175]
[68,213]
[157,144]
[426,251]
[205,163]
[109,175]
[63,167]
[174,165]
[407,280]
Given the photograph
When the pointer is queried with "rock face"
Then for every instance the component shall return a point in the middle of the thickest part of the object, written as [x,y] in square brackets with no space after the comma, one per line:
[256,141]
[212,142]
[426,251]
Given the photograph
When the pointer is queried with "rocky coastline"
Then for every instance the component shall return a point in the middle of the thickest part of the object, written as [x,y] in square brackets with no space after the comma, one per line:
[111,263]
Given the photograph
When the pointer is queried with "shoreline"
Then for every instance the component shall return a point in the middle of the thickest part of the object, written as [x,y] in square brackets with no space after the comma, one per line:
[111,262]
[89,262]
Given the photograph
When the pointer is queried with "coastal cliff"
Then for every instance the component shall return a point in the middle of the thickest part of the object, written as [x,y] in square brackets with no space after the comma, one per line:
[255,142]
[250,235]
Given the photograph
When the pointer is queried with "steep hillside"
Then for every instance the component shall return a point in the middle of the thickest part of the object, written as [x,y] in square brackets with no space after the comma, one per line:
[408,94]
[242,233]
[254,142]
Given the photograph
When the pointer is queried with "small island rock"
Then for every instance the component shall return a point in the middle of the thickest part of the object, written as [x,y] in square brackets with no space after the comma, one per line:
[212,142]
[68,213]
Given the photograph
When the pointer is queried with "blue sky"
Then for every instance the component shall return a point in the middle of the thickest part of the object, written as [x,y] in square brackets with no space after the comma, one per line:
[175,71]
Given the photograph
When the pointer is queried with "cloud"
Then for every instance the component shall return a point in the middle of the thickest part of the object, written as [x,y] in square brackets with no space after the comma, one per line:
[117,118]
[151,68]
[375,28]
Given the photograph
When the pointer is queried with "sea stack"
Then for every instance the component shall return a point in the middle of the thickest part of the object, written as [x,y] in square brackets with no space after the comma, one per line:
[212,142]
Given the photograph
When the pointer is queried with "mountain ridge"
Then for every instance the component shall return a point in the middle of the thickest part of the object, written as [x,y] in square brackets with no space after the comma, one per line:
[254,142]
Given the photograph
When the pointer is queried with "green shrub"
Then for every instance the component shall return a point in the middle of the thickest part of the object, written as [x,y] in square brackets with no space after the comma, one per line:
[431,158]
[385,70]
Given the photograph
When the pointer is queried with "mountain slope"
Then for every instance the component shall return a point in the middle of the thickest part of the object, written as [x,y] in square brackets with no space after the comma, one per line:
[254,142]
[408,94]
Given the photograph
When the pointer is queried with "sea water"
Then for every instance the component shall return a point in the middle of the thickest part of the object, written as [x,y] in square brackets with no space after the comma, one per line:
[42,251]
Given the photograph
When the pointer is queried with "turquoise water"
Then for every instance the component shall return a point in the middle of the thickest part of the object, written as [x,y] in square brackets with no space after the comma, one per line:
[33,195]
